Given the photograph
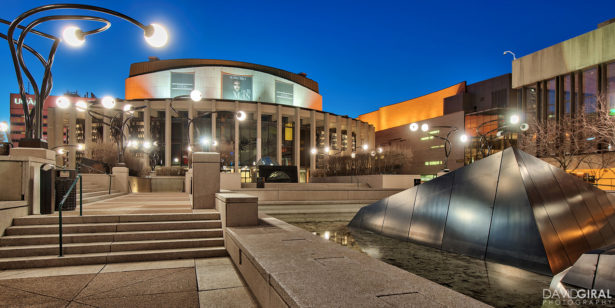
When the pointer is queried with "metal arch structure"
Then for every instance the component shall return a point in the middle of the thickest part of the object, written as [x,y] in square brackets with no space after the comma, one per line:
[33,119]
[510,207]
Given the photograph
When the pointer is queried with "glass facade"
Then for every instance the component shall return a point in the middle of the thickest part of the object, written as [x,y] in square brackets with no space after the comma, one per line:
[567,94]
[202,131]
[247,140]
[225,135]
[269,132]
[551,99]
[610,87]
[590,90]
[288,144]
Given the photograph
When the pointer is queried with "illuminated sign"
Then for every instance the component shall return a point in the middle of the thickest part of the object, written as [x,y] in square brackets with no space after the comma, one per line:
[237,87]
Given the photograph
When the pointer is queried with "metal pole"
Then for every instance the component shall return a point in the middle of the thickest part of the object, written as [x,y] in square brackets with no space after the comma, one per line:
[60,231]
[80,195]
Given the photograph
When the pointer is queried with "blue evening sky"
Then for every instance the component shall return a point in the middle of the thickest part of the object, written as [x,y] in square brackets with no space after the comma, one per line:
[363,54]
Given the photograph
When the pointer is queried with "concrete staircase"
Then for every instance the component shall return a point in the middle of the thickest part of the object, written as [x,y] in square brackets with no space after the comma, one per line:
[33,241]
[93,192]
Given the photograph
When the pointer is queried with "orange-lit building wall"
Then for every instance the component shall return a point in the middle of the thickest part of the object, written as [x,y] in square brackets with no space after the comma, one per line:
[413,110]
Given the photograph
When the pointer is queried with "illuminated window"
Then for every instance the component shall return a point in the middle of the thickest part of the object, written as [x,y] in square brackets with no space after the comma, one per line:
[433,163]
[436,146]
[426,138]
[434,132]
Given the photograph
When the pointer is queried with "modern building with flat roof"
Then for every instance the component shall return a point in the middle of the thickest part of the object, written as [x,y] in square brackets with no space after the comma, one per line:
[284,113]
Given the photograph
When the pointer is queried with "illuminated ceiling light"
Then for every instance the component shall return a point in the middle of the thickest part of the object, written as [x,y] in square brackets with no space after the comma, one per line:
[189,148]
[62,102]
[500,133]
[373,153]
[327,149]
[365,147]
[108,102]
[147,144]
[127,107]
[380,150]
[4,127]
[414,127]
[353,155]
[196,95]
[215,143]
[176,159]
[425,127]
[205,141]
[129,144]
[240,115]
[73,36]
[80,147]
[155,143]
[60,151]
[81,106]
[135,144]
[313,151]
[514,119]
[524,127]
[156,35]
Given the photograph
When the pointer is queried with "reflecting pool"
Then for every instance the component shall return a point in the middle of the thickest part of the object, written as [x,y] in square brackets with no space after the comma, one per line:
[495,284]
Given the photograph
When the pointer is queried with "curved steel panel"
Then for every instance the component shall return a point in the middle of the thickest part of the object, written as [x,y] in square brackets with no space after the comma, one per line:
[514,237]
[554,249]
[560,215]
[399,213]
[430,210]
[471,206]
[595,210]
[373,216]
[580,211]
[605,203]
[605,272]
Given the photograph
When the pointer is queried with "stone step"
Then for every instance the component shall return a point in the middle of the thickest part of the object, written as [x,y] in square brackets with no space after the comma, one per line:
[101,247]
[317,202]
[111,257]
[100,197]
[46,239]
[113,227]
[48,220]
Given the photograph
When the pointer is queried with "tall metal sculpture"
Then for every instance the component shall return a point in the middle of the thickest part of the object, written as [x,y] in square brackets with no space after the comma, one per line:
[510,207]
[155,35]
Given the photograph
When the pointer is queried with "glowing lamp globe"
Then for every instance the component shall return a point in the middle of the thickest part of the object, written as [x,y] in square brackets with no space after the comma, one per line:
[196,95]
[425,127]
[73,36]
[240,115]
[463,138]
[156,35]
[414,127]
[108,102]
[62,102]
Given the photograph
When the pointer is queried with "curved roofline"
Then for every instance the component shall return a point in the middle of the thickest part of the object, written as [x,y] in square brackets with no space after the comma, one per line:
[141,68]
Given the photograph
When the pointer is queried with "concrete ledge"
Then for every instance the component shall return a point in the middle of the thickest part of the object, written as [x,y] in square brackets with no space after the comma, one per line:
[285,266]
[237,210]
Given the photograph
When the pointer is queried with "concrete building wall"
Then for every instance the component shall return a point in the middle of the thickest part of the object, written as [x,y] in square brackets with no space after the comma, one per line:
[597,46]
[420,148]
[208,80]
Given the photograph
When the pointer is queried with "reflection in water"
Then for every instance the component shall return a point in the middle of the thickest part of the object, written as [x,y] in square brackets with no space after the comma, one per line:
[495,284]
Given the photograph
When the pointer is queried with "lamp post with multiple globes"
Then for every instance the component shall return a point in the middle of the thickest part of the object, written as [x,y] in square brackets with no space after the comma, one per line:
[448,146]
[155,35]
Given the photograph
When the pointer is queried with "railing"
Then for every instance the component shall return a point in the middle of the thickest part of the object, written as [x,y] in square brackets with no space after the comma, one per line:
[79,165]
[64,200]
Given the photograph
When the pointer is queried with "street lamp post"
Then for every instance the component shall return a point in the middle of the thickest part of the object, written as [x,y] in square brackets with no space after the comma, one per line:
[512,124]
[116,122]
[196,96]
[448,146]
[155,35]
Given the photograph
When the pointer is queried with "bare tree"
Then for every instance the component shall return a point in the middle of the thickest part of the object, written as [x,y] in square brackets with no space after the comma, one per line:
[565,141]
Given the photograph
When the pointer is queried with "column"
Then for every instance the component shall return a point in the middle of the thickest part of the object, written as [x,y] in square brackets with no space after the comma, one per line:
[72,138]
[87,134]
[349,129]
[338,136]
[326,128]
[147,117]
[297,141]
[236,150]
[191,125]
[313,143]
[279,136]
[259,137]
[214,117]
[167,133]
